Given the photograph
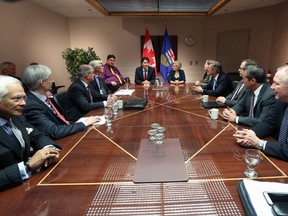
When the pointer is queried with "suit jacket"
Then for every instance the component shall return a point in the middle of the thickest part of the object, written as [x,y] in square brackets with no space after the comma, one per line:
[10,151]
[103,85]
[78,101]
[237,97]
[223,86]
[171,76]
[277,150]
[262,111]
[139,76]
[265,129]
[41,116]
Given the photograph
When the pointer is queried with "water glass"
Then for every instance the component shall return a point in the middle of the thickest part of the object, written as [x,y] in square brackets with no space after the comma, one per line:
[152,132]
[155,125]
[159,138]
[252,158]
[115,108]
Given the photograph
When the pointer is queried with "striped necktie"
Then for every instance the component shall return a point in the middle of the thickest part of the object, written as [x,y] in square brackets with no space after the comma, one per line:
[251,104]
[54,109]
[284,129]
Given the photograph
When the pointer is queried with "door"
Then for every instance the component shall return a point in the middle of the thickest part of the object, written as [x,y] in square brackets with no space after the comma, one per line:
[232,48]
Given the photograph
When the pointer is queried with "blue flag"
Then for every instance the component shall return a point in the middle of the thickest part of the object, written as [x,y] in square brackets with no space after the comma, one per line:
[167,57]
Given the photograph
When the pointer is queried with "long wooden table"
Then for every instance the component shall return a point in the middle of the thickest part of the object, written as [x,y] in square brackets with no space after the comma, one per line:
[94,175]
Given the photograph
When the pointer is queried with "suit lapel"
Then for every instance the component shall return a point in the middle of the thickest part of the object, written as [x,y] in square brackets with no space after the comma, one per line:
[10,143]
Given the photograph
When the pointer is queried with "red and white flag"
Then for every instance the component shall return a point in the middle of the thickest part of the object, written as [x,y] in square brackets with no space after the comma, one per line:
[148,50]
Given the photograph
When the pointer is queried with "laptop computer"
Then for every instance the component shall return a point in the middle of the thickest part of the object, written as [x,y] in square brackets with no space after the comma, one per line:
[213,104]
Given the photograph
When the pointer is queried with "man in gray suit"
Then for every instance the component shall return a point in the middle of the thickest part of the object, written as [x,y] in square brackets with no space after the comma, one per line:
[278,149]
[258,102]
[17,136]
[239,90]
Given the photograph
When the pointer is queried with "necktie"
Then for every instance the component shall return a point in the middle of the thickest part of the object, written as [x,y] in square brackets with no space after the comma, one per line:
[15,134]
[237,91]
[284,129]
[90,94]
[145,74]
[54,109]
[251,105]
[112,71]
[99,86]
[214,84]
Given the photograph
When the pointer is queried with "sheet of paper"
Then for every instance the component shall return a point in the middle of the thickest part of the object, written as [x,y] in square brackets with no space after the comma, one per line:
[124,92]
[255,191]
[101,122]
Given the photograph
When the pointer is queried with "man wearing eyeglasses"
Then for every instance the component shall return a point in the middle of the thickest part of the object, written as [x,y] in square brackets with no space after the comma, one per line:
[17,136]
[239,90]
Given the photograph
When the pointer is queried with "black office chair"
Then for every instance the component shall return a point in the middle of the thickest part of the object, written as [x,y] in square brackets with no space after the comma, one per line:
[60,100]
[234,84]
[54,88]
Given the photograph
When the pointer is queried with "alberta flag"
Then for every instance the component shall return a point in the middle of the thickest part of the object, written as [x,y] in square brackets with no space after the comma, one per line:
[167,57]
[148,50]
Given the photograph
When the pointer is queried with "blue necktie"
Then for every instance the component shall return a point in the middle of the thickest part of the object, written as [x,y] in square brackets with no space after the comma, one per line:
[284,129]
[214,84]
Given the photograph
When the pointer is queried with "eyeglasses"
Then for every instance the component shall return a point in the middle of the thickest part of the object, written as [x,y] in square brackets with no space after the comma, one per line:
[18,99]
[241,68]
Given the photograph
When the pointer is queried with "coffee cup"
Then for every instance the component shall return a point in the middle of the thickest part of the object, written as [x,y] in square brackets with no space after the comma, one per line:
[213,113]
[205,98]
[120,104]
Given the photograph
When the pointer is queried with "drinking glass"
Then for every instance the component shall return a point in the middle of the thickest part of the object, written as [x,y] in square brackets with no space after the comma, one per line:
[155,125]
[159,138]
[152,132]
[127,82]
[161,129]
[108,116]
[115,108]
[252,158]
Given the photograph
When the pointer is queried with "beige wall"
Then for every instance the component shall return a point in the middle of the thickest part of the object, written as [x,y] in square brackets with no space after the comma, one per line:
[30,33]
[33,33]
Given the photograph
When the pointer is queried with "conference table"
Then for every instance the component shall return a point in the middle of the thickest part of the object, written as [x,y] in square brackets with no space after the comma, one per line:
[94,175]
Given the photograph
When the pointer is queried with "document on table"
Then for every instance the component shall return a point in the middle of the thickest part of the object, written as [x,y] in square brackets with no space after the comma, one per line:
[255,191]
[124,92]
[100,122]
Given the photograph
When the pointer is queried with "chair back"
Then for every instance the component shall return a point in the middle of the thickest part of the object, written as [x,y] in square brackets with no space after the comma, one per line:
[60,99]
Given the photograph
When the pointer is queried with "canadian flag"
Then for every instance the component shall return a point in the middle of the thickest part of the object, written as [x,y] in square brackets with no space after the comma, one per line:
[148,50]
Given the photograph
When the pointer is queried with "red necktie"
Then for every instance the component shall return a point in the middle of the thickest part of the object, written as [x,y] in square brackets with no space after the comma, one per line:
[145,74]
[251,105]
[90,94]
[58,114]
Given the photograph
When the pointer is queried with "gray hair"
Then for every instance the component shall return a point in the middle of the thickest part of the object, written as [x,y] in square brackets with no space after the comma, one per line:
[5,65]
[34,74]
[216,66]
[256,72]
[284,68]
[5,81]
[96,63]
[84,70]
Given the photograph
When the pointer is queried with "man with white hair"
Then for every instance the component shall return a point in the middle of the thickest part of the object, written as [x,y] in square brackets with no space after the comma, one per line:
[17,136]
[278,149]
[98,83]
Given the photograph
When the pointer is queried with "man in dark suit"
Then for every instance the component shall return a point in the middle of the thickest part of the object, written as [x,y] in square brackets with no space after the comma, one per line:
[80,96]
[9,69]
[278,149]
[219,85]
[98,83]
[239,90]
[258,102]
[17,136]
[39,109]
[145,74]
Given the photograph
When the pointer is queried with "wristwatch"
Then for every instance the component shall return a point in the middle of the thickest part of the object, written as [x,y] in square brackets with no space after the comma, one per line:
[27,166]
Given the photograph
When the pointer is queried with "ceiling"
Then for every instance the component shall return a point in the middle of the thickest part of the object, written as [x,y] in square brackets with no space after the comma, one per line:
[102,8]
